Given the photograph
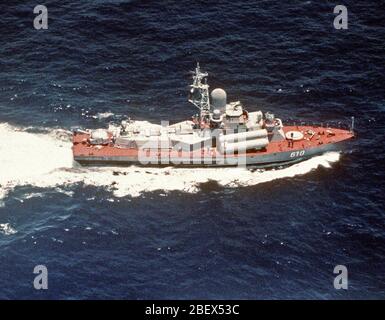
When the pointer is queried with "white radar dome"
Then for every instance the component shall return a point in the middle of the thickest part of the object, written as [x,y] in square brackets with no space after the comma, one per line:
[219,98]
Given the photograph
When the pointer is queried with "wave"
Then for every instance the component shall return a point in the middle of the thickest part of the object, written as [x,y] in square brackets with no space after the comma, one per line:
[6,229]
[103,115]
[45,160]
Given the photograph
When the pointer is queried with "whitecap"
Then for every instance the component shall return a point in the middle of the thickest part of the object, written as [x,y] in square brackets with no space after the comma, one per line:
[6,229]
[103,115]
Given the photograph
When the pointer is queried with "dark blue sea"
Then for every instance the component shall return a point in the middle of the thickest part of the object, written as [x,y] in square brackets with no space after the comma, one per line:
[193,234]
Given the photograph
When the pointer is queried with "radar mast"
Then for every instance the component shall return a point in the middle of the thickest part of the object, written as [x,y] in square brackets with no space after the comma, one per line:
[199,93]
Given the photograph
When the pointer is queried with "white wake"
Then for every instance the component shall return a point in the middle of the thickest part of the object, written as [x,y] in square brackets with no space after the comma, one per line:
[45,160]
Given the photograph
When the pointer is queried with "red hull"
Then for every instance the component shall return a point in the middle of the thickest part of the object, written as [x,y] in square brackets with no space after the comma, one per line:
[324,139]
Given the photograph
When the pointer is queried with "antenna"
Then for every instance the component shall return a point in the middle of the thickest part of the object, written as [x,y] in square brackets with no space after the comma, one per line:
[352,126]
[199,93]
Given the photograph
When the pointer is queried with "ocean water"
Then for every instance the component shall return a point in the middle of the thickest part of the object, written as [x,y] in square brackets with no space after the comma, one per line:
[134,233]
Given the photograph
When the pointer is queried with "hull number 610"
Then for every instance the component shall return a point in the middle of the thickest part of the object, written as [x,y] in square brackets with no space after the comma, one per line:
[297,154]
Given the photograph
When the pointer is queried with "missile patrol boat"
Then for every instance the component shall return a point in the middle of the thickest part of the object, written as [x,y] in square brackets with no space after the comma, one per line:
[222,133]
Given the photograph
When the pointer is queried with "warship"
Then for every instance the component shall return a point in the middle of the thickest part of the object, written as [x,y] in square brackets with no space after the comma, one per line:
[221,133]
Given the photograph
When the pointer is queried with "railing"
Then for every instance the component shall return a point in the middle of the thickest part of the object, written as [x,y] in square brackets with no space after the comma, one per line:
[327,124]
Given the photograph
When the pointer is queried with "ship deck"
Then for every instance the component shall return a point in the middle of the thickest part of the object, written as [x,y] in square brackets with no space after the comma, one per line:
[313,137]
